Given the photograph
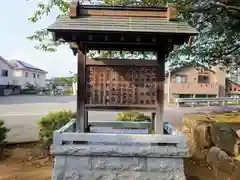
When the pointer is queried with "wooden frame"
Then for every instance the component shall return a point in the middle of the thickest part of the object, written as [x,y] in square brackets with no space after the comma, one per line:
[126,35]
[158,108]
[142,98]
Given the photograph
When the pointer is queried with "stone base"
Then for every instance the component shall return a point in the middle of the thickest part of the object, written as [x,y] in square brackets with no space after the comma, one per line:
[119,161]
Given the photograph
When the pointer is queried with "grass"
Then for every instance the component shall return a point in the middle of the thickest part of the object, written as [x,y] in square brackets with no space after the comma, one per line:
[219,117]
[237,158]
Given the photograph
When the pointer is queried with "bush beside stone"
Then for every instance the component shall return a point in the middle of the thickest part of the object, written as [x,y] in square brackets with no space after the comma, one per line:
[51,122]
[132,116]
[3,135]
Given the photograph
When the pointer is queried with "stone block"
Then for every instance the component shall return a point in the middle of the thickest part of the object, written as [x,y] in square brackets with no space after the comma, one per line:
[164,164]
[225,137]
[198,129]
[59,167]
[116,161]
[177,175]
[220,160]
[78,163]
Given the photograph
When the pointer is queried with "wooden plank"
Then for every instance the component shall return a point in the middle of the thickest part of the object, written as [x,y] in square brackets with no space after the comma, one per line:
[148,108]
[124,13]
[120,124]
[160,77]
[119,131]
[80,116]
[120,62]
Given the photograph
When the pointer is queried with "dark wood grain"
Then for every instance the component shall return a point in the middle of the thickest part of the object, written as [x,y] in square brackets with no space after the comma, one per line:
[81,95]
[160,77]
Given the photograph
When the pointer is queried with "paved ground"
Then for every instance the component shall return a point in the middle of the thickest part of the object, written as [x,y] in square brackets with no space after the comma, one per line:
[21,113]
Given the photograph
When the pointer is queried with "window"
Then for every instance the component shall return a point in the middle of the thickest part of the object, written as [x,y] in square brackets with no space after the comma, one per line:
[4,72]
[203,79]
[38,76]
[26,74]
[181,79]
[34,75]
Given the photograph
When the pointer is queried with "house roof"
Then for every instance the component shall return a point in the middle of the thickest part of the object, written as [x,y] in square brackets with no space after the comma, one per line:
[187,65]
[232,82]
[6,62]
[122,24]
[17,64]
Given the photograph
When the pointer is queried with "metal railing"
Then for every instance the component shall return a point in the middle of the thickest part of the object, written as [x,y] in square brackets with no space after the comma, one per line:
[207,101]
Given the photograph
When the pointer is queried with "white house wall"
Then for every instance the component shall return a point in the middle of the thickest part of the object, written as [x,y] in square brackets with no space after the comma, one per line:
[5,80]
[21,79]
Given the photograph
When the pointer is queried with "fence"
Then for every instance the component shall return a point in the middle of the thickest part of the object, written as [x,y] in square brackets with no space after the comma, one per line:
[207,101]
[68,132]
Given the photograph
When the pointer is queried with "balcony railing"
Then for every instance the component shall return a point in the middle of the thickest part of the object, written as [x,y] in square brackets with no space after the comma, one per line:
[193,88]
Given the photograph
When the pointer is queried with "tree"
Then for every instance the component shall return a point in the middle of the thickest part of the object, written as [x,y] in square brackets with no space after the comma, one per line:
[219,40]
[218,22]
[66,80]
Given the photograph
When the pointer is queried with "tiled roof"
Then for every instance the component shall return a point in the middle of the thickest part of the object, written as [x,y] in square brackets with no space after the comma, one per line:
[6,62]
[187,65]
[123,24]
[17,64]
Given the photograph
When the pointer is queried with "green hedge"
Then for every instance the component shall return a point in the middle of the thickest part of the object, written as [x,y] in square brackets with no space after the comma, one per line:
[3,135]
[51,122]
[132,116]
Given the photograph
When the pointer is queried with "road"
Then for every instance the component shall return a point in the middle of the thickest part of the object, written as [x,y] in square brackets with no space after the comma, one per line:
[21,113]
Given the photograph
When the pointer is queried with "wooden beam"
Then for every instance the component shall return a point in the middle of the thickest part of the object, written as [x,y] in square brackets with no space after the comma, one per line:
[81,95]
[118,62]
[123,13]
[160,78]
[119,107]
[73,12]
[171,12]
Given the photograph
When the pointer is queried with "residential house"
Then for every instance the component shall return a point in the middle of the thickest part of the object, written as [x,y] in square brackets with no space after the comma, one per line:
[6,79]
[189,81]
[24,73]
[5,72]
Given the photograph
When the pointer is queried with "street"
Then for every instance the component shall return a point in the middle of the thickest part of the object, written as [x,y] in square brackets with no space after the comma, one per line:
[21,113]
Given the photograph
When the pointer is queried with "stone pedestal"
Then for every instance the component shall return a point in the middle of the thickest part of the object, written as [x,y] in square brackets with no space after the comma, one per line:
[122,161]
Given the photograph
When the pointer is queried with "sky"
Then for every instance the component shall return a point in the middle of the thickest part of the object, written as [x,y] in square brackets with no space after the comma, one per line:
[15,28]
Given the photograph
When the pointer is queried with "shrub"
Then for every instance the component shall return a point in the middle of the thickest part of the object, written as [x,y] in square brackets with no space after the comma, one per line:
[51,122]
[132,116]
[3,135]
[69,92]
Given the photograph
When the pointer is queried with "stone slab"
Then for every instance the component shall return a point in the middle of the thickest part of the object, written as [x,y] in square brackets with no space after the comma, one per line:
[115,160]
[117,168]
[120,150]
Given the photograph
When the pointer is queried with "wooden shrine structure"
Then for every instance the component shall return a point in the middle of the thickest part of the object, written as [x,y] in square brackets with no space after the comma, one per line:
[112,84]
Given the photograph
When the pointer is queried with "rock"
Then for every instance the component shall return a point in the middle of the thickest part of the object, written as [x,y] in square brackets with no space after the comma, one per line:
[196,152]
[220,160]
[225,137]
[199,130]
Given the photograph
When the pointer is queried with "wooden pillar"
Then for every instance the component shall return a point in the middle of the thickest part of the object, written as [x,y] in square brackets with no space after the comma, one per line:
[160,78]
[80,116]
[87,128]
[153,115]
[169,87]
